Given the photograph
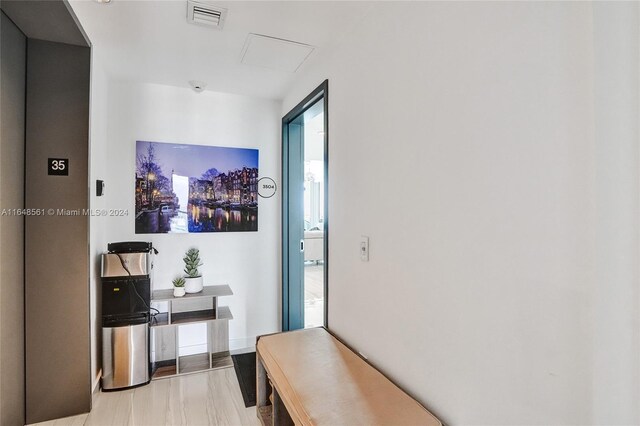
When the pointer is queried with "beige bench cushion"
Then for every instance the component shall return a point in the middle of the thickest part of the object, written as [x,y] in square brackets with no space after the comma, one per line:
[322,382]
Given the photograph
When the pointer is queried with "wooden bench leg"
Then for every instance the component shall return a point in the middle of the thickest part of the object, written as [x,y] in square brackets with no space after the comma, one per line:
[270,412]
[264,410]
[281,416]
[261,383]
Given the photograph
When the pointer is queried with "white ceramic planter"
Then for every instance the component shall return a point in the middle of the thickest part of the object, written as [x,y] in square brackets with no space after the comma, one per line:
[178,291]
[193,285]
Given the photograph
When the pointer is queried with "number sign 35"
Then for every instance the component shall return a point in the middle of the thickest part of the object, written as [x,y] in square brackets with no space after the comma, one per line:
[59,166]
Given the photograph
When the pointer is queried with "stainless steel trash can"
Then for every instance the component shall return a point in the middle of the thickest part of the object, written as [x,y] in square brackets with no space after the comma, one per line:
[125,353]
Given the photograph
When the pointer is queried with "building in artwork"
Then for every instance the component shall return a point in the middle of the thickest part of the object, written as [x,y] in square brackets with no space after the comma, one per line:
[220,183]
[141,193]
[238,186]
[200,191]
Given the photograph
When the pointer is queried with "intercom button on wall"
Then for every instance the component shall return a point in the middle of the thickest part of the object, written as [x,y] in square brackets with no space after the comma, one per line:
[99,188]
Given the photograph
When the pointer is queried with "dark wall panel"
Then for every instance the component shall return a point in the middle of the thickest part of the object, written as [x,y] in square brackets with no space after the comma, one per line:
[58,379]
[13,51]
[51,20]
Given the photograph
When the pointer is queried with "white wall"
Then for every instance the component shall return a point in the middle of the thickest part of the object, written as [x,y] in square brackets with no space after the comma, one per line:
[98,169]
[490,152]
[616,309]
[247,261]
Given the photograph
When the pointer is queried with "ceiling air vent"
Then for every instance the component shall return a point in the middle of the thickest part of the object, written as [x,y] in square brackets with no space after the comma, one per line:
[205,14]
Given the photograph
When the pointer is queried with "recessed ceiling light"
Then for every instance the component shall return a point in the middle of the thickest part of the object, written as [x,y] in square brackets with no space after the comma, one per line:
[103,1]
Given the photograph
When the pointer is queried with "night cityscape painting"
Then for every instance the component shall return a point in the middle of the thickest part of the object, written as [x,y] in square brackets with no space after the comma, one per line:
[195,188]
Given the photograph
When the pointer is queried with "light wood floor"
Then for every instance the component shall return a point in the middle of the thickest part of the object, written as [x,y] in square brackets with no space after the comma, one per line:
[207,398]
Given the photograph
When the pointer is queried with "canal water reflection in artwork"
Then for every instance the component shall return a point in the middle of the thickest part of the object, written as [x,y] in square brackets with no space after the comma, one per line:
[207,219]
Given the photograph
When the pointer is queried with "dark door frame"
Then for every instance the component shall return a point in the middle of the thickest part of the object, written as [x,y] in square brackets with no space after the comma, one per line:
[322,91]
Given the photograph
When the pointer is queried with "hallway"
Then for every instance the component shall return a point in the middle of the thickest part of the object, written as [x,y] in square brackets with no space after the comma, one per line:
[211,398]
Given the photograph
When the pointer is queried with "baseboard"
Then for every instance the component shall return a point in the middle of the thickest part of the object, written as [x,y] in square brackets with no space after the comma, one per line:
[242,343]
[241,351]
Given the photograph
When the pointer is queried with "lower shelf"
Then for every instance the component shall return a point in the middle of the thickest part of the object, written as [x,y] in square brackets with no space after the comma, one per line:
[192,364]
[221,360]
[166,369]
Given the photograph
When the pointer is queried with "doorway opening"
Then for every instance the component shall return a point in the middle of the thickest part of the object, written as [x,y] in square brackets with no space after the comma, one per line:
[304,219]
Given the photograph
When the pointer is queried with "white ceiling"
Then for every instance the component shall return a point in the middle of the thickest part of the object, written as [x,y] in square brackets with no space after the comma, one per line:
[151,41]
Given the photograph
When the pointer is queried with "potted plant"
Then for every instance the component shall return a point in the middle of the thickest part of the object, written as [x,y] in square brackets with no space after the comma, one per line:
[178,287]
[193,280]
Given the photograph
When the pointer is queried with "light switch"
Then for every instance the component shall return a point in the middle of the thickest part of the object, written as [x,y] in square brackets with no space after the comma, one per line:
[364,248]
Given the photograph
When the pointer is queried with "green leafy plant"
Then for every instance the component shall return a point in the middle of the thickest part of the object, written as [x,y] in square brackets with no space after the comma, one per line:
[178,282]
[191,263]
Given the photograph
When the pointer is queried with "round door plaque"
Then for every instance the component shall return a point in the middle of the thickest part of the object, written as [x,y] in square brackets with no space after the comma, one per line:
[266,187]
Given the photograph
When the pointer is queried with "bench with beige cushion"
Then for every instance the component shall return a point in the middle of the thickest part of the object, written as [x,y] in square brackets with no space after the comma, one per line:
[308,377]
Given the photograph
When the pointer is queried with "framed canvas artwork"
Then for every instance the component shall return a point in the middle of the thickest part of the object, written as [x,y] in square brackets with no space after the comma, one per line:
[195,188]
